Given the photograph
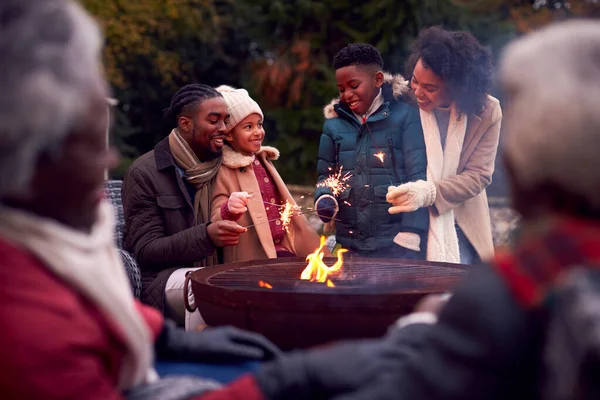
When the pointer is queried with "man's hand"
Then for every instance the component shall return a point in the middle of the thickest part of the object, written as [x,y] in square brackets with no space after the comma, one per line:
[225,233]
[219,344]
[237,202]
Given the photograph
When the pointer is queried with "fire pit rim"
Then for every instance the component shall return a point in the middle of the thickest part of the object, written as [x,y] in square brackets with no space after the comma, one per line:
[202,276]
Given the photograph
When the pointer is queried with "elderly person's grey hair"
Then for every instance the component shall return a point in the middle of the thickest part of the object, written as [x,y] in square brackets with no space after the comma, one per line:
[49,63]
[551,122]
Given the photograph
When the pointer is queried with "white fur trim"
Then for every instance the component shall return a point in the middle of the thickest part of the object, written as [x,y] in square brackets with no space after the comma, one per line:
[233,159]
[399,88]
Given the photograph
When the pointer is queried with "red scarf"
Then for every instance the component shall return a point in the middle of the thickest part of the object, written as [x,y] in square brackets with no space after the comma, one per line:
[550,248]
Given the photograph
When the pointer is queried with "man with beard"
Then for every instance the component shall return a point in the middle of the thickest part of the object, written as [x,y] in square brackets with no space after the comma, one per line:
[166,199]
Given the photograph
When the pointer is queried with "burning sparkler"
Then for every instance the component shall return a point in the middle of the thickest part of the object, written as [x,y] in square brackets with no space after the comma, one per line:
[336,182]
[381,155]
[285,214]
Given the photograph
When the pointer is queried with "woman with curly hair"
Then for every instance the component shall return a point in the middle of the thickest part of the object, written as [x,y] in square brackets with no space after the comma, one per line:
[450,77]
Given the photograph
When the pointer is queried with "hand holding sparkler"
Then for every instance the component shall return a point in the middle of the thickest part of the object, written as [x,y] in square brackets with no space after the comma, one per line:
[411,196]
[327,207]
[237,202]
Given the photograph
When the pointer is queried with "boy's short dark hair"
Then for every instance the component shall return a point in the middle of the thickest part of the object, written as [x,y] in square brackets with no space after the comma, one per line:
[362,54]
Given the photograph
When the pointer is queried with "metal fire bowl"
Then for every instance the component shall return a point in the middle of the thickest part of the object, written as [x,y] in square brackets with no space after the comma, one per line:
[370,294]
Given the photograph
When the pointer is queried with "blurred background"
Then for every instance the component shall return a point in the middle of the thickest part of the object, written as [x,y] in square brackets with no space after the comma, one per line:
[281,51]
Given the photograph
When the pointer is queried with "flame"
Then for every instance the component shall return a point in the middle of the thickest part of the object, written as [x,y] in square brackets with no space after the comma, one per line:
[380,155]
[265,284]
[316,270]
[337,182]
[285,214]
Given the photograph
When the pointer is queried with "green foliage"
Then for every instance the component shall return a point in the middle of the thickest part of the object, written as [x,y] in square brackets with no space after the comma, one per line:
[280,50]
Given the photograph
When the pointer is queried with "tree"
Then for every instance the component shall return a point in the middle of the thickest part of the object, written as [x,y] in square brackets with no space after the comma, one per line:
[280,50]
[297,39]
[156,46]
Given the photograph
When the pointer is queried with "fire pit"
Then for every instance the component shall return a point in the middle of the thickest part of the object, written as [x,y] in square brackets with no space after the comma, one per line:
[267,296]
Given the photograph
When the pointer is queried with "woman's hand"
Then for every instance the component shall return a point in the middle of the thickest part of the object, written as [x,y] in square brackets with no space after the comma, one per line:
[411,196]
[237,202]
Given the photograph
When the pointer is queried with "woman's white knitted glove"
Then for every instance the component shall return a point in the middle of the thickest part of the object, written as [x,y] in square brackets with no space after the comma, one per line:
[411,196]
[237,202]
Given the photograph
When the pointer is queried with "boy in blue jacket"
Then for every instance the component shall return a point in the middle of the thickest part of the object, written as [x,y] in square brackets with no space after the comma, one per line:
[375,135]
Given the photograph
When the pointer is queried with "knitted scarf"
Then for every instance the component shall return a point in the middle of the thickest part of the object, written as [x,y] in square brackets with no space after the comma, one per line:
[544,253]
[201,175]
[442,242]
[90,264]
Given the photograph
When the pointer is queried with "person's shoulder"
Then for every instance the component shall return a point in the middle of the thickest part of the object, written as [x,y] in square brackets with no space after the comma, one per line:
[404,110]
[144,163]
[493,310]
[492,112]
[333,120]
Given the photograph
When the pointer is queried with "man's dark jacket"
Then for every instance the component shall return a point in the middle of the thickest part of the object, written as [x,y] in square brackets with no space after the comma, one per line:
[159,222]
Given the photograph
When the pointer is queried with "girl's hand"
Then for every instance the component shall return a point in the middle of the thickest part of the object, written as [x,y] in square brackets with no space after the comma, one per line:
[237,202]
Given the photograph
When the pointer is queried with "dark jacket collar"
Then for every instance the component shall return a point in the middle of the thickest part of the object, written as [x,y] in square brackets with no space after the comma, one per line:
[163,155]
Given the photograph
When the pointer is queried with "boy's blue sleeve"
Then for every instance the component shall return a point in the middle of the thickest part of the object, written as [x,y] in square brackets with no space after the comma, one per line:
[415,165]
[326,160]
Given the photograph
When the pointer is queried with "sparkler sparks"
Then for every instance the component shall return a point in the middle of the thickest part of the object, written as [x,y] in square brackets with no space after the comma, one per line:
[337,182]
[381,155]
[285,215]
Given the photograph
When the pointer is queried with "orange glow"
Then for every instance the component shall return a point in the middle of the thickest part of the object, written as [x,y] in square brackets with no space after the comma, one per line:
[265,284]
[317,271]
[380,155]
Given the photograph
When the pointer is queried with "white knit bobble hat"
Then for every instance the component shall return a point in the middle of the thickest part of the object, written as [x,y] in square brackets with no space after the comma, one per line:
[239,104]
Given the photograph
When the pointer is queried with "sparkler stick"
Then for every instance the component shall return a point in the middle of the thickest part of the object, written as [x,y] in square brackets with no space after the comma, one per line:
[279,219]
[381,155]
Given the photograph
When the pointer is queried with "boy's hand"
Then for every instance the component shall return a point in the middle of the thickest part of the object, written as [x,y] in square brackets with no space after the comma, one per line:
[411,196]
[327,207]
[237,202]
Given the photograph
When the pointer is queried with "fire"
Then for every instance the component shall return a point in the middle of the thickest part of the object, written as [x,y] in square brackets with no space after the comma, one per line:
[285,214]
[316,270]
[265,284]
[380,155]
[337,182]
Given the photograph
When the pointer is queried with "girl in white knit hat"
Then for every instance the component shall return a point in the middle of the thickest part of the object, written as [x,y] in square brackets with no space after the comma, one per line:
[249,190]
